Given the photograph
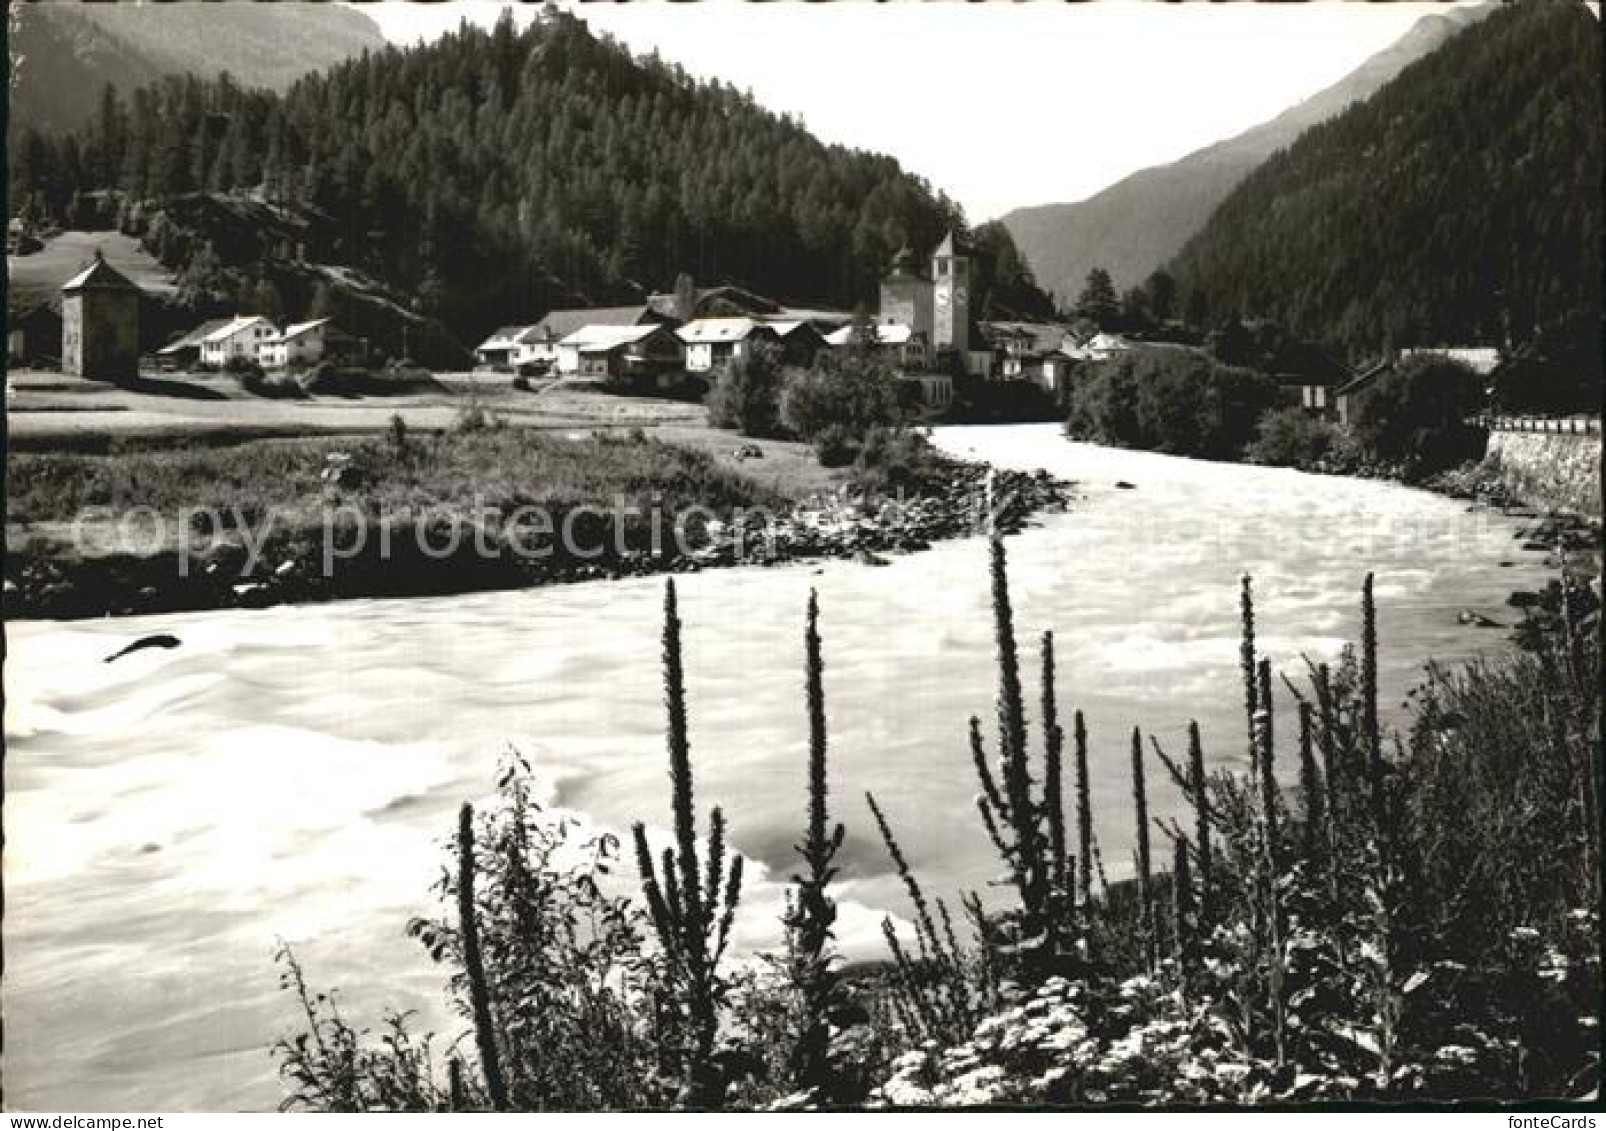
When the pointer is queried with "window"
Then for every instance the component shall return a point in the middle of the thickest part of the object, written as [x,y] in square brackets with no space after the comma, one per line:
[942,268]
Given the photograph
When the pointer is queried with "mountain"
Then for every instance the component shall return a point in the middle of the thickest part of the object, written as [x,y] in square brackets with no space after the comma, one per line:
[65,51]
[491,175]
[1459,204]
[1137,224]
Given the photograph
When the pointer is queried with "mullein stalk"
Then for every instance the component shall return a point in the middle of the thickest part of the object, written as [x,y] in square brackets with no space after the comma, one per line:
[1053,787]
[1201,820]
[1184,914]
[1371,738]
[1084,814]
[1140,804]
[1246,660]
[692,902]
[474,963]
[1266,761]
[1311,785]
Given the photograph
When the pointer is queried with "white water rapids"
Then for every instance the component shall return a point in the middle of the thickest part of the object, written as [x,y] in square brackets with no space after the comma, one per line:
[293,772]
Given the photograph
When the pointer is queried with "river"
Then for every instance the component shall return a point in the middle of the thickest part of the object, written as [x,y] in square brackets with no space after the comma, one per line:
[293,772]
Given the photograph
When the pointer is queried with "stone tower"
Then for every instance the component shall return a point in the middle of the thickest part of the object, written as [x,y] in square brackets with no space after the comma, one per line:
[100,324]
[906,295]
[950,281]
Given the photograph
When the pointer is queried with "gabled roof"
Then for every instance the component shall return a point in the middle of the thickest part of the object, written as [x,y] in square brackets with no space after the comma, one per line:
[559,324]
[236,325]
[603,339]
[195,337]
[504,338]
[716,302]
[98,276]
[720,330]
[1301,363]
[1037,337]
[295,330]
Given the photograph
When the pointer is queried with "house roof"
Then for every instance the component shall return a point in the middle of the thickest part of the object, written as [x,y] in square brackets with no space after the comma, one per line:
[1364,378]
[1302,363]
[807,314]
[98,276]
[235,325]
[295,330]
[505,337]
[886,334]
[605,339]
[725,301]
[559,324]
[720,330]
[1038,337]
[195,337]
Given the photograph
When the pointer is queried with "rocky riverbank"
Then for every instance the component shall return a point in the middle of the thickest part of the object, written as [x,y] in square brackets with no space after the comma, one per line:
[48,580]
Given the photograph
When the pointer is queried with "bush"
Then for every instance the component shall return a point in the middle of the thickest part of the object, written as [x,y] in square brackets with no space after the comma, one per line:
[1171,400]
[835,446]
[890,460]
[320,378]
[746,396]
[238,365]
[853,394]
[521,383]
[1416,416]
[1292,437]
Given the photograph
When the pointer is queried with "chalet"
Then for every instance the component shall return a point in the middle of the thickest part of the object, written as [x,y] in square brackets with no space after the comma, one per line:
[1309,377]
[499,348]
[185,351]
[33,333]
[897,343]
[1345,396]
[100,323]
[243,337]
[538,344]
[1031,351]
[712,343]
[715,302]
[620,352]
[800,341]
[308,343]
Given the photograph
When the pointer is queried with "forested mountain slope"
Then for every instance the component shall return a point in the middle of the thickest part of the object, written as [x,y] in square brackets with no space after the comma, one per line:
[1460,204]
[491,174]
[64,51]
[1135,225]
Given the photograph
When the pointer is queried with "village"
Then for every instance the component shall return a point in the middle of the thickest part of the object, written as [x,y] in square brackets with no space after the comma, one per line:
[922,329]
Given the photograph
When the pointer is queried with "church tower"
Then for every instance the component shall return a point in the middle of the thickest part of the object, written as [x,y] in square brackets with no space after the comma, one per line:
[950,281]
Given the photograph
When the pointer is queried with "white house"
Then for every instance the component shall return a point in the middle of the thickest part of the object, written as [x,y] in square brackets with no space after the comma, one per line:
[538,344]
[305,343]
[712,343]
[499,348]
[619,351]
[244,337]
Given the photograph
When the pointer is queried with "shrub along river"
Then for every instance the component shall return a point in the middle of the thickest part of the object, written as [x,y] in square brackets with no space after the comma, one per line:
[292,772]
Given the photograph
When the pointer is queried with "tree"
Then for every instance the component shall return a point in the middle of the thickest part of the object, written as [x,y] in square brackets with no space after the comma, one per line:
[1417,415]
[1161,290]
[747,395]
[1097,302]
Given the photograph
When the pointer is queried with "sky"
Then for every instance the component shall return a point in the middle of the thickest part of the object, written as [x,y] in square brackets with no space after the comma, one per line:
[1000,105]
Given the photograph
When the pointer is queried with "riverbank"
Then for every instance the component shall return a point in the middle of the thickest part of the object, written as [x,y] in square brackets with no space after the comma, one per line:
[290,773]
[170,529]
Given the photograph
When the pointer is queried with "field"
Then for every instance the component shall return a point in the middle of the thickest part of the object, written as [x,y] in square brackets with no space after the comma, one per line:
[39,276]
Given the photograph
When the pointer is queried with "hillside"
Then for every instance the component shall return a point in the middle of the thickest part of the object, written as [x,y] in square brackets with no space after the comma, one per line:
[1460,204]
[1137,224]
[491,175]
[64,53]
